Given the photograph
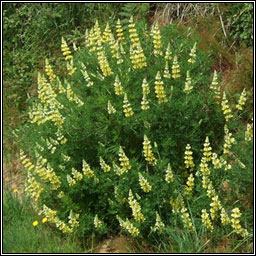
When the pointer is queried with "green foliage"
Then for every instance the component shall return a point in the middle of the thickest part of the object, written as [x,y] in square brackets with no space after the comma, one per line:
[20,236]
[92,132]
[239,17]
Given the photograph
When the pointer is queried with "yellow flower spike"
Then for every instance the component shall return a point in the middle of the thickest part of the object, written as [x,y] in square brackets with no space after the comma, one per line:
[44,220]
[207,151]
[168,53]
[159,225]
[188,84]
[242,100]
[65,50]
[169,177]
[215,207]
[35,223]
[144,102]
[86,75]
[225,220]
[113,46]
[225,108]
[190,184]
[87,170]
[49,71]
[106,34]
[228,141]
[74,46]
[177,204]
[70,180]
[128,226]
[119,31]
[124,160]
[136,208]
[206,220]
[210,190]
[77,175]
[118,86]
[189,164]
[104,166]
[147,150]
[70,67]
[97,223]
[248,135]
[145,87]
[216,162]
[73,219]
[186,219]
[111,109]
[192,54]
[102,59]
[235,220]
[133,33]
[127,107]
[118,170]
[32,187]
[204,167]
[145,186]
[175,68]
[166,71]
[157,41]
[159,89]
[214,83]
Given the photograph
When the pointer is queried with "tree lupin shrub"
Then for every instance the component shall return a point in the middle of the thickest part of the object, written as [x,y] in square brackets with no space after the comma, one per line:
[113,130]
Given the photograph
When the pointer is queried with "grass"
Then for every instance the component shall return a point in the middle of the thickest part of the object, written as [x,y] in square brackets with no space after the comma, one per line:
[20,236]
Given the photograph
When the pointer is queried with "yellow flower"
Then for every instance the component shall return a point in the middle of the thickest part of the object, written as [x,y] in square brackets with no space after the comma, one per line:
[97,223]
[136,208]
[119,31]
[192,54]
[147,150]
[15,190]
[248,135]
[157,41]
[186,219]
[169,175]
[188,84]
[215,206]
[225,220]
[44,220]
[190,184]
[189,158]
[159,89]
[241,101]
[159,225]
[225,108]
[206,220]
[87,170]
[35,223]
[207,151]
[168,53]
[145,87]
[144,102]
[118,86]
[175,68]
[216,162]
[104,166]
[124,160]
[228,140]
[166,71]
[145,186]
[127,107]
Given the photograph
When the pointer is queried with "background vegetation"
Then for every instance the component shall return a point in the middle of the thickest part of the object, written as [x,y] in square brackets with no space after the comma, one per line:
[32,32]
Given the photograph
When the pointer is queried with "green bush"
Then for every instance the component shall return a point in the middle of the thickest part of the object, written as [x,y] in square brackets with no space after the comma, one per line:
[144,185]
